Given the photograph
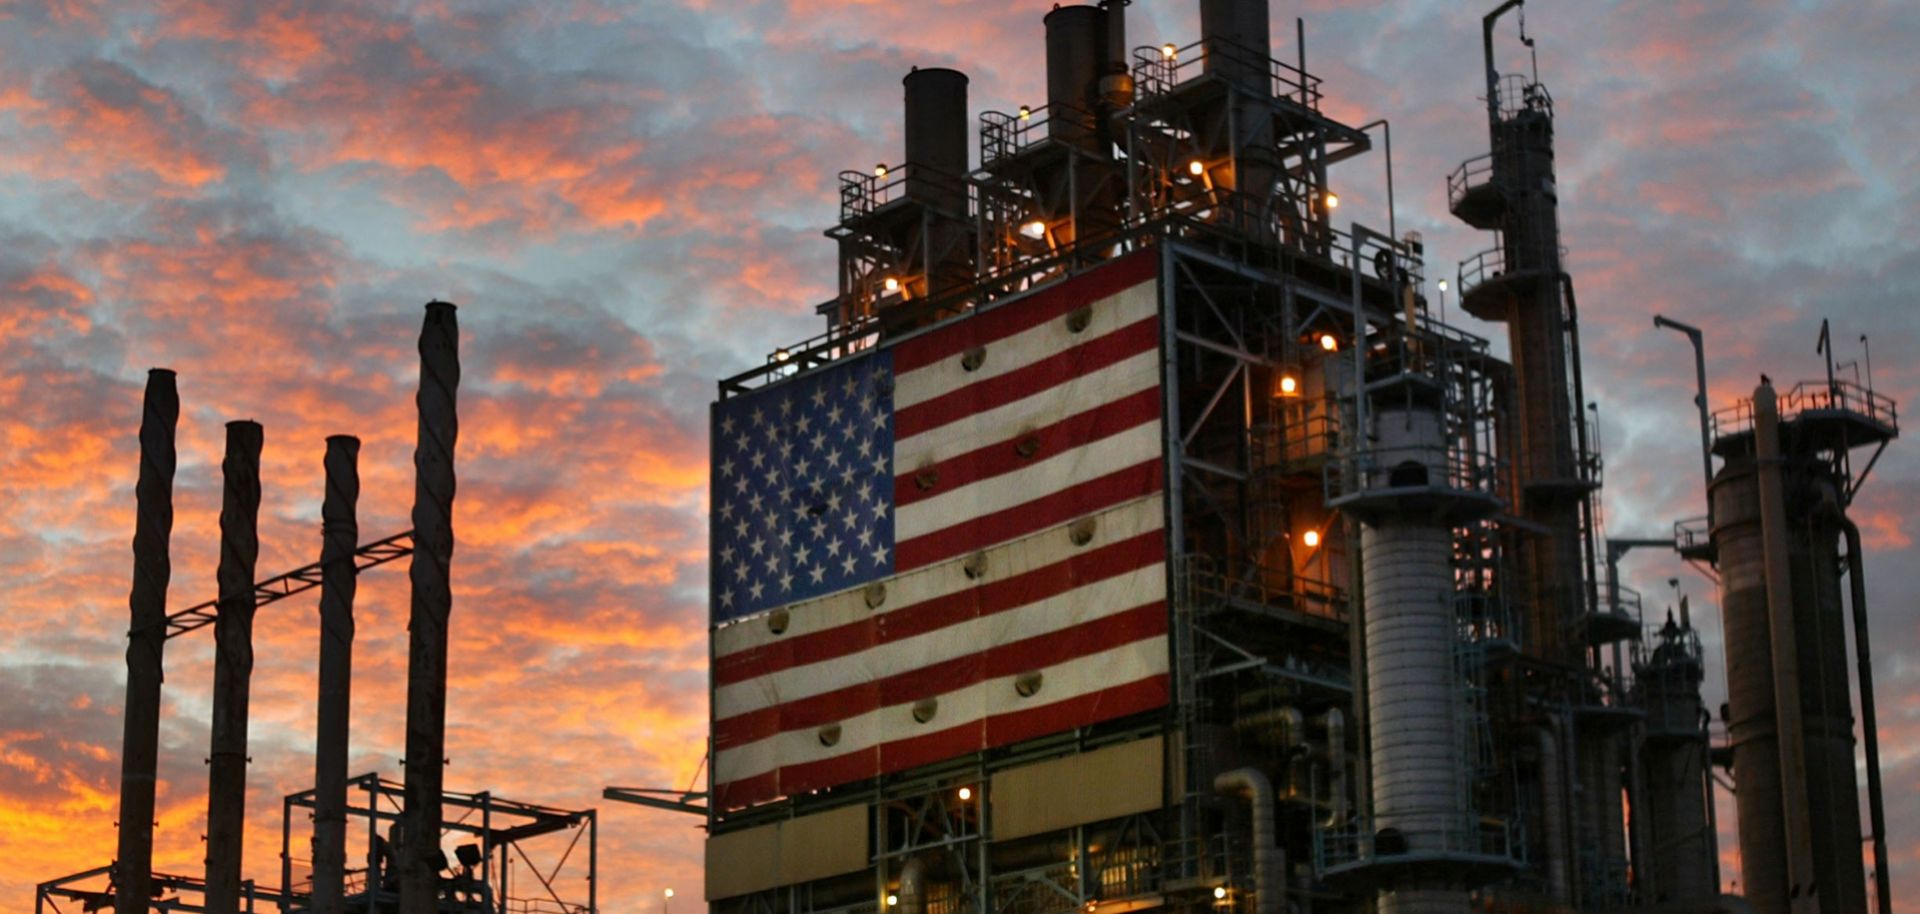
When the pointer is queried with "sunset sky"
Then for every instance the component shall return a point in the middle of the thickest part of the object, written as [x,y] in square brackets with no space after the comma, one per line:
[626,201]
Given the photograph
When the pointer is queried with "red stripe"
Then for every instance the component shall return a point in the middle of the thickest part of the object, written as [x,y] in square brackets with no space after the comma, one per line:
[1001,457]
[1020,383]
[1106,704]
[998,730]
[986,599]
[1013,315]
[1022,519]
[940,678]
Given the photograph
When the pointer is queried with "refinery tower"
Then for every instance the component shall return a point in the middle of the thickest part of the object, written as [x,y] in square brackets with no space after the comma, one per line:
[1135,537]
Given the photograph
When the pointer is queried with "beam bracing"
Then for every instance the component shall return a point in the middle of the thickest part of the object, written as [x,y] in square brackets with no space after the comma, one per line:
[431,605]
[340,531]
[232,667]
[146,642]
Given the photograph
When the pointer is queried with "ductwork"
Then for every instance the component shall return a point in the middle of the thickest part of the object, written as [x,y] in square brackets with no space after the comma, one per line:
[1269,861]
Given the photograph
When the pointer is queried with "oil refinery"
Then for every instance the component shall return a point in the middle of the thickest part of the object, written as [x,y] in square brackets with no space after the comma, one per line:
[1138,536]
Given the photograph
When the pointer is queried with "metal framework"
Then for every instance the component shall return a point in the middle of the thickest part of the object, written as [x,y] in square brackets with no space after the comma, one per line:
[292,583]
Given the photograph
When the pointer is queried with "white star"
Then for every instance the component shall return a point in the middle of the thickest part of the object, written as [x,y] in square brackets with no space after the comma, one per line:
[866,537]
[804,425]
[818,573]
[850,385]
[759,460]
[833,459]
[726,510]
[740,529]
[753,501]
[726,468]
[865,448]
[802,468]
[819,440]
[756,589]
[786,406]
[879,509]
[819,528]
[849,564]
[772,475]
[786,582]
[786,449]
[802,555]
[880,421]
[833,547]
[786,537]
[759,418]
[759,546]
[773,563]
[726,555]
[726,597]
[881,465]
[786,495]
[820,396]
[833,416]
[880,555]
[740,571]
[833,502]
[726,426]
[740,486]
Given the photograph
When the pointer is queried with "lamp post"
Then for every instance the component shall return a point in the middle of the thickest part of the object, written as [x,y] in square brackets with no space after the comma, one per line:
[1443,301]
[666,901]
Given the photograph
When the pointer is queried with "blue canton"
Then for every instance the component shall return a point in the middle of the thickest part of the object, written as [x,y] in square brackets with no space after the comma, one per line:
[802,488]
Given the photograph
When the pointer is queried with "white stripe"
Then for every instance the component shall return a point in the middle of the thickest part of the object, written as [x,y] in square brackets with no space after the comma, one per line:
[1039,410]
[1095,600]
[1071,679]
[1023,348]
[1009,490]
[1121,522]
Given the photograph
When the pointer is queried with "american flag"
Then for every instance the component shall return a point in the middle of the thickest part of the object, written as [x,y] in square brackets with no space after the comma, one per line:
[948,544]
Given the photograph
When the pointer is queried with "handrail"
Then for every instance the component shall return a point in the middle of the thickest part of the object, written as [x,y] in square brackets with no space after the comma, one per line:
[1812,396]
[1156,72]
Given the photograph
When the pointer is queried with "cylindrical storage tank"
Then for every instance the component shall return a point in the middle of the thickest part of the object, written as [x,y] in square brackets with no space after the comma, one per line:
[936,129]
[1741,560]
[1673,760]
[1237,46]
[1076,55]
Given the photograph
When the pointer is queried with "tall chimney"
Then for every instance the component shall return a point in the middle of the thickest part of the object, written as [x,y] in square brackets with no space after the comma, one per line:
[1116,83]
[232,666]
[1076,57]
[936,128]
[146,643]
[340,534]
[1237,45]
[432,603]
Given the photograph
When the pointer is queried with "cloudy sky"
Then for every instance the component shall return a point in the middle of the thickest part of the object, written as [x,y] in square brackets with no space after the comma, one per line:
[626,201]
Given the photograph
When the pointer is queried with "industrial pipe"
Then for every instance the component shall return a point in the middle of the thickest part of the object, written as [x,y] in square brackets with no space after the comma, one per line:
[913,886]
[1336,724]
[146,643]
[1796,818]
[1269,862]
[1553,812]
[232,667]
[340,536]
[1869,728]
[432,603]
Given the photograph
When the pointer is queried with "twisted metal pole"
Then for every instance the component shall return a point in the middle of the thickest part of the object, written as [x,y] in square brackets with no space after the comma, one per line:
[340,535]
[232,667]
[146,643]
[432,603]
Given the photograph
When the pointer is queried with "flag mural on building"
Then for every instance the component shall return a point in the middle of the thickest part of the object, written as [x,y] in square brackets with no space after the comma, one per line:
[947,544]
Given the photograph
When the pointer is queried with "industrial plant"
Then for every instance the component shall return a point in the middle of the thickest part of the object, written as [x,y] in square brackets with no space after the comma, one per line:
[1138,536]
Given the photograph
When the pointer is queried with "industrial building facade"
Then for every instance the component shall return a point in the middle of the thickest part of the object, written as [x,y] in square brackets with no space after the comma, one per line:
[1138,537]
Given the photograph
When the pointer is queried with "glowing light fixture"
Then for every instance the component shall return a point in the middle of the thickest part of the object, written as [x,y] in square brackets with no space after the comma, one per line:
[890,284]
[1196,168]
[667,894]
[892,900]
[1443,285]
[1328,343]
[880,170]
[1219,892]
[1333,200]
[1311,538]
[1035,230]
[1025,112]
[1169,51]
[1289,385]
[966,793]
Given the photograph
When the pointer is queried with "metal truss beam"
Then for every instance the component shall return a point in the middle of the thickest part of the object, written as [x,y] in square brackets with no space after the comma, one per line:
[292,583]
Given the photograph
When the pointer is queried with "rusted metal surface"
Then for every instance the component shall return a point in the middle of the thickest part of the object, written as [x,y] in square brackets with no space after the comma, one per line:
[146,641]
[432,604]
[340,532]
[232,667]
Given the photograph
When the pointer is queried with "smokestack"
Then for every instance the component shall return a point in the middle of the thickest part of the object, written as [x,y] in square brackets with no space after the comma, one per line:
[936,128]
[432,603]
[340,534]
[146,643]
[1236,42]
[232,666]
[1116,84]
[1076,57]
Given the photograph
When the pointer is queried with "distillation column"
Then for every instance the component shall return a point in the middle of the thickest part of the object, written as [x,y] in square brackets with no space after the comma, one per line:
[1680,866]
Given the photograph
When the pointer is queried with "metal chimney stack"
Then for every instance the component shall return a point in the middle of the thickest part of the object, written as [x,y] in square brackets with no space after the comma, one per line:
[936,129]
[432,603]
[146,643]
[1076,60]
[233,667]
[1237,45]
[340,534]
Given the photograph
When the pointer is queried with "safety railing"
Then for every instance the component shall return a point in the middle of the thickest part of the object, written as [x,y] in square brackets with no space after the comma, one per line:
[1156,71]
[1003,135]
[1471,174]
[1408,466]
[1515,95]
[1837,396]
[1207,580]
[1459,837]
[864,192]
[1692,535]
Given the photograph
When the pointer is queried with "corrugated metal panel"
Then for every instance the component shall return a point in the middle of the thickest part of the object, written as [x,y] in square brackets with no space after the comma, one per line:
[798,850]
[1088,787]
